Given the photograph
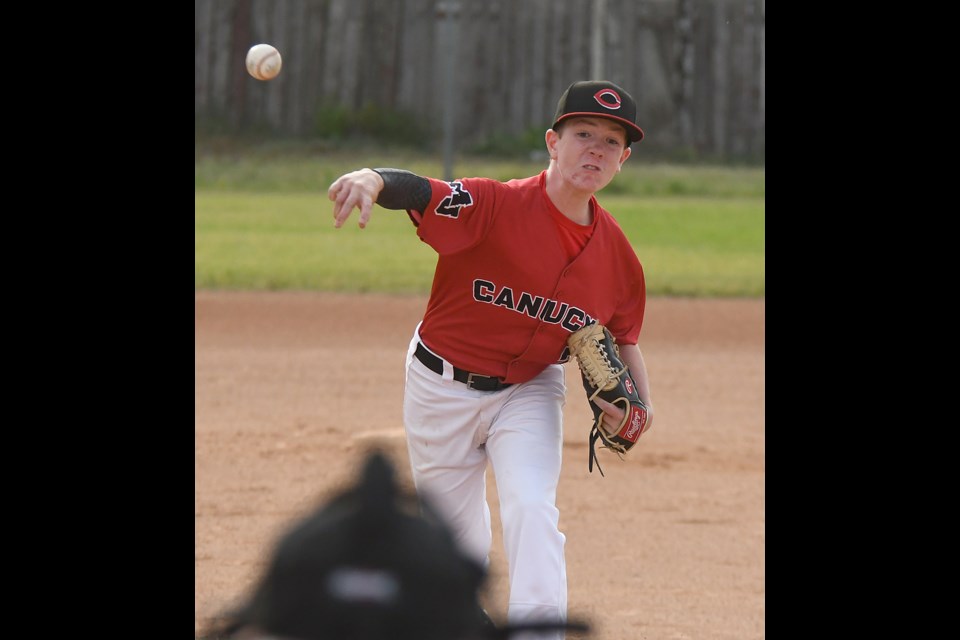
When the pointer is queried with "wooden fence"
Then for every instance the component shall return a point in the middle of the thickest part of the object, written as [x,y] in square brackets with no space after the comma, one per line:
[695,67]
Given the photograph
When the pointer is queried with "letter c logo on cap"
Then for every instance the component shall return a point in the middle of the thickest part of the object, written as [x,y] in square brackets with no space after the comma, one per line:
[607,98]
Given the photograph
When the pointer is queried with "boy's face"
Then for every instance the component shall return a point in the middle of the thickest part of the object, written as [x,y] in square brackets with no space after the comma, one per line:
[588,151]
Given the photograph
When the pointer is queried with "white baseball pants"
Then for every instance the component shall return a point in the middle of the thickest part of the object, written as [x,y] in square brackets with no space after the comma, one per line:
[452,432]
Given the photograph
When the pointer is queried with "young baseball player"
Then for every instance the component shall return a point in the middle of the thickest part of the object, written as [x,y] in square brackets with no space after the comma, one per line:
[521,265]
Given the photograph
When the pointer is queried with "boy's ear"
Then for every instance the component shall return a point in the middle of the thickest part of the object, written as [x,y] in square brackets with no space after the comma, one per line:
[550,139]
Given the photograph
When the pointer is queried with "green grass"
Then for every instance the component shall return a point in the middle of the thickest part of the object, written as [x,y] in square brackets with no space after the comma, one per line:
[696,246]
[262,221]
[287,241]
[282,167]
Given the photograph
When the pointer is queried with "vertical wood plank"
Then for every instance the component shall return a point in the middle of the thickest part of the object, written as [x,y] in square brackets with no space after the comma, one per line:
[684,76]
[761,81]
[721,52]
[220,58]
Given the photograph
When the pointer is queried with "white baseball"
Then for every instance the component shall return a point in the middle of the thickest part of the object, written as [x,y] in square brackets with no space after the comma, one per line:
[263,61]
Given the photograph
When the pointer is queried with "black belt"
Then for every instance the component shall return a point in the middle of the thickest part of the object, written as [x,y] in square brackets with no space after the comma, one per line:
[472,380]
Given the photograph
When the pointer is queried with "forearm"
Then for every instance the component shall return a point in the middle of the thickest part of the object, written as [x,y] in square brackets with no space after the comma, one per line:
[633,358]
[403,190]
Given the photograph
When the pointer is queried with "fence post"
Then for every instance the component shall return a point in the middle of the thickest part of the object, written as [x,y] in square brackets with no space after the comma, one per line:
[447,12]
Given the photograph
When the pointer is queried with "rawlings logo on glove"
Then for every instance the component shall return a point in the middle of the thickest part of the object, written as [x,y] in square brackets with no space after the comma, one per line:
[606,376]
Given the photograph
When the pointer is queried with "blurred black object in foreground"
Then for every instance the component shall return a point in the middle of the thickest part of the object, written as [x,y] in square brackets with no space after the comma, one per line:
[371,564]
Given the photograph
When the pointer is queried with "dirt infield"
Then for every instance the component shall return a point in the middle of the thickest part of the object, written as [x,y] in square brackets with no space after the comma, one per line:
[293,388]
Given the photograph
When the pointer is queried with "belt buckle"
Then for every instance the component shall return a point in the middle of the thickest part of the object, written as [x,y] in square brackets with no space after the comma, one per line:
[471,376]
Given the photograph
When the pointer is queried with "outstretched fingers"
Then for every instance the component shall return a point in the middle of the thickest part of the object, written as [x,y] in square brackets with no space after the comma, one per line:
[347,195]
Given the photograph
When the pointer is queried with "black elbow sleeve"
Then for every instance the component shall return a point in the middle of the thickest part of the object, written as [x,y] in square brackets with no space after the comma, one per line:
[403,190]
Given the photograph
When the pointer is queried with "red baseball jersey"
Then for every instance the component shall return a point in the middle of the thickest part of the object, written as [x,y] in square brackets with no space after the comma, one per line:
[506,293]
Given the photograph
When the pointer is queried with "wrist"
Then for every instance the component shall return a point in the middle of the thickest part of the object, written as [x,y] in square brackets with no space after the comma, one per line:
[376,177]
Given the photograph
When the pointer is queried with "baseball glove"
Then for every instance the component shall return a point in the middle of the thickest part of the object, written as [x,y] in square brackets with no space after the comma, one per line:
[606,376]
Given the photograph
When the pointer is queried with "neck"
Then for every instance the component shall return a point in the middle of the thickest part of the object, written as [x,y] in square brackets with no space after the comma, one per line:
[573,203]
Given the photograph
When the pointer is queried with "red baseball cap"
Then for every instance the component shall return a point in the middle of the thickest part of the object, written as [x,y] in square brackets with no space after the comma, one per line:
[599,98]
